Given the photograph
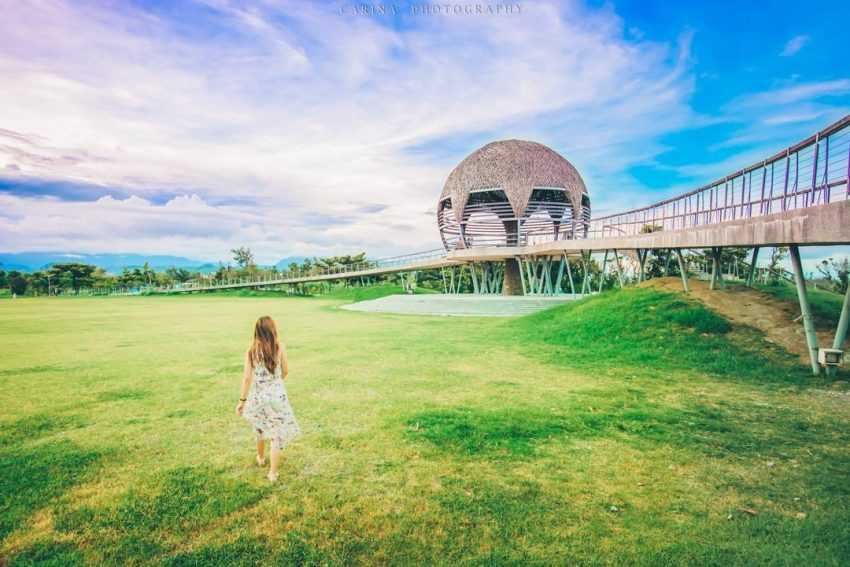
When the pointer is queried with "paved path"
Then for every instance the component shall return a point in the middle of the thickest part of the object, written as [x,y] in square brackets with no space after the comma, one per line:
[462,305]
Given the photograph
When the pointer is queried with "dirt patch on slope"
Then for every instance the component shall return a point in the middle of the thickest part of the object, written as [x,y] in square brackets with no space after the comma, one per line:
[778,319]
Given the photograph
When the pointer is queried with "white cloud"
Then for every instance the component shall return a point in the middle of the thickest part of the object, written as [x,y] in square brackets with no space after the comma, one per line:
[794,45]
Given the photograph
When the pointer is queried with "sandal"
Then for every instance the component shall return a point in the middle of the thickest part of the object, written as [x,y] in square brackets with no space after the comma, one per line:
[272,477]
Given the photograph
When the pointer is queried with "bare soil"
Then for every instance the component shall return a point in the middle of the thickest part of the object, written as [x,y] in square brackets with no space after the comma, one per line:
[778,319]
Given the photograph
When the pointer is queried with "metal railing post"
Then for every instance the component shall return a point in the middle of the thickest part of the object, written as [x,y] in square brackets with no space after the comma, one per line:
[813,193]
[847,179]
[763,179]
[787,173]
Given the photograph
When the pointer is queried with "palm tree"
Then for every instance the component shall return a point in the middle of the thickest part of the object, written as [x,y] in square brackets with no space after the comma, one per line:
[148,273]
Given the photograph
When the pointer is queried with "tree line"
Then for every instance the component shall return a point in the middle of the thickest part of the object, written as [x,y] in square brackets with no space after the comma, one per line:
[72,278]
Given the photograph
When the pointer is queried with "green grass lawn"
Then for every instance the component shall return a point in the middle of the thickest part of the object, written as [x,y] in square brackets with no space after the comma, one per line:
[633,427]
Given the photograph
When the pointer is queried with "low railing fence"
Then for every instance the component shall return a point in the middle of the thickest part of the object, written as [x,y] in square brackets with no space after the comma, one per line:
[292,276]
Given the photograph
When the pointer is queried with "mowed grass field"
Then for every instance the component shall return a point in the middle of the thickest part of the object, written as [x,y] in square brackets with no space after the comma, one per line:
[633,427]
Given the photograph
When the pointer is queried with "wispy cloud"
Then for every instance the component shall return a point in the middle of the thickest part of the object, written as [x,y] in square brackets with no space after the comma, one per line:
[791,93]
[768,120]
[794,45]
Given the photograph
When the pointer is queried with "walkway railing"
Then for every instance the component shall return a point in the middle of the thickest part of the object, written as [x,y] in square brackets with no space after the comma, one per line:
[809,173]
[294,276]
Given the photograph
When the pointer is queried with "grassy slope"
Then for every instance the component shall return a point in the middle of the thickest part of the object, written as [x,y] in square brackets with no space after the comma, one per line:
[655,331]
[604,432]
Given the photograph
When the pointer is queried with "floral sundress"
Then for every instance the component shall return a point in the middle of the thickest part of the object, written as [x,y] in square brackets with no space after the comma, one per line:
[267,408]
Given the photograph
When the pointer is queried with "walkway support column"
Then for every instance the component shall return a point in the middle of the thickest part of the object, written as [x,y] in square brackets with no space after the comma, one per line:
[716,269]
[602,274]
[585,264]
[569,274]
[808,322]
[753,267]
[560,276]
[841,331]
[682,269]
[619,268]
[642,255]
[476,289]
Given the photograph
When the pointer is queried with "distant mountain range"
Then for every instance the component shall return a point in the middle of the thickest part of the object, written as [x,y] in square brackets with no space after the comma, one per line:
[284,263]
[114,263]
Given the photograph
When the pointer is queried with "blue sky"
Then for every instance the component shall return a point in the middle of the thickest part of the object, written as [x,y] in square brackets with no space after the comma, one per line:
[300,128]
[739,49]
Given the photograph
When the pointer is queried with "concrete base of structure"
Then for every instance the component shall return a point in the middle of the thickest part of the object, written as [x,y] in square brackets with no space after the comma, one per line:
[513,279]
[460,305]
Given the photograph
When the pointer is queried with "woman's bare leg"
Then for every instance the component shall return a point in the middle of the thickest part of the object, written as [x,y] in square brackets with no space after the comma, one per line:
[275,460]
[261,449]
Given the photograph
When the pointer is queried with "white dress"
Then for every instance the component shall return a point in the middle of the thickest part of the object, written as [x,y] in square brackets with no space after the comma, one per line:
[267,408]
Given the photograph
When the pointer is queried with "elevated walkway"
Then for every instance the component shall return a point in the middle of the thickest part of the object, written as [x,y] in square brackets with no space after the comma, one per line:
[820,225]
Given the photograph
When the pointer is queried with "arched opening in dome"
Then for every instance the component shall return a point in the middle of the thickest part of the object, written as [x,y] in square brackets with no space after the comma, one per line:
[548,216]
[488,219]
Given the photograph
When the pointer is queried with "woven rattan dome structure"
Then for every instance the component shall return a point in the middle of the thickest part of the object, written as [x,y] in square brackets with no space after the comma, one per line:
[512,193]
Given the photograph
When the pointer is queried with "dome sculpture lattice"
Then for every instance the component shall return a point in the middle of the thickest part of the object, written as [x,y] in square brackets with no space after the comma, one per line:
[512,193]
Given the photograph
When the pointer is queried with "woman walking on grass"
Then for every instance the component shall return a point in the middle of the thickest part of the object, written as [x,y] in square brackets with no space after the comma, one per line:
[263,401]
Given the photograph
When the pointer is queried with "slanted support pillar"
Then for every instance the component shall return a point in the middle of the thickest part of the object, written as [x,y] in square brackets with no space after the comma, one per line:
[602,272]
[619,268]
[713,271]
[523,272]
[642,256]
[808,321]
[547,276]
[682,269]
[716,271]
[474,273]
[560,277]
[752,273]
[841,330]
[585,264]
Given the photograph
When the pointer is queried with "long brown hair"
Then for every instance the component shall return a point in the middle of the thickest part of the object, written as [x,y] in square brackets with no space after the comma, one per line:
[265,348]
